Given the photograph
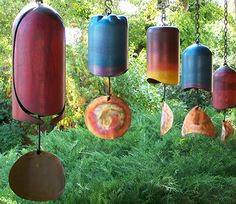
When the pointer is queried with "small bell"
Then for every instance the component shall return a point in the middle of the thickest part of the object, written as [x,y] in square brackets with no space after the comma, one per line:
[224,88]
[197,68]
[108,45]
[38,63]
[163,55]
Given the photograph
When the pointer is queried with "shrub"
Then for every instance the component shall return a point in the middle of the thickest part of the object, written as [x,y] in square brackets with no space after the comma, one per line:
[141,167]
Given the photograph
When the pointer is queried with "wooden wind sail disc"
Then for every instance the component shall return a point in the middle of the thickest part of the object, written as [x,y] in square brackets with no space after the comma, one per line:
[227,130]
[198,122]
[37,177]
[167,118]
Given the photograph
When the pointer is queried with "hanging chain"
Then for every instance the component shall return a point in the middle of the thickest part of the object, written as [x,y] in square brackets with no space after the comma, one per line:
[197,7]
[225,32]
[224,113]
[164,93]
[198,99]
[108,4]
[162,5]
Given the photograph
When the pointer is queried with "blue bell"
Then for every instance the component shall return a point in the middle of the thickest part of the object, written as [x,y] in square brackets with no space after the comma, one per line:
[197,68]
[108,45]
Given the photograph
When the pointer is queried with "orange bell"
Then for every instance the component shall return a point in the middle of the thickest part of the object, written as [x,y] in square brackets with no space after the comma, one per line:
[108,118]
[163,55]
[227,130]
[197,121]
[167,118]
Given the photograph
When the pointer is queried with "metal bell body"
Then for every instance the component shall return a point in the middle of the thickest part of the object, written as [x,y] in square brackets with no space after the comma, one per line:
[197,68]
[108,45]
[38,62]
[163,55]
[224,88]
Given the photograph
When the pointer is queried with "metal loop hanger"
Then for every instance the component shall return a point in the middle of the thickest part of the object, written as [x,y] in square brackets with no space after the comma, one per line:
[162,5]
[108,4]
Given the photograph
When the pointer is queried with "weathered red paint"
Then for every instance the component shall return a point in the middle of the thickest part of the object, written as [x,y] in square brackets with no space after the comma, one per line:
[38,62]
[224,88]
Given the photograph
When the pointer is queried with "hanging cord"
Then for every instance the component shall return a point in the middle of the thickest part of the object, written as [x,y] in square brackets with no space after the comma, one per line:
[197,7]
[108,4]
[225,111]
[109,89]
[164,93]
[225,32]
[162,5]
[39,137]
[197,95]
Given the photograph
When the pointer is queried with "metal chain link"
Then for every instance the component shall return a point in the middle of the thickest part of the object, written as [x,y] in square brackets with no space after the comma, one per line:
[225,32]
[197,7]
[162,5]
[108,4]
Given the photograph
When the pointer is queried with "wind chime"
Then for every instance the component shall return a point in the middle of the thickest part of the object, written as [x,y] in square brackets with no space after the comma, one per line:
[38,91]
[197,75]
[163,61]
[108,117]
[224,85]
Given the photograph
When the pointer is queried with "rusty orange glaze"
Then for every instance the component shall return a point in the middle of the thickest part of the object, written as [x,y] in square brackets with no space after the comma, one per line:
[108,119]
[227,130]
[167,118]
[198,122]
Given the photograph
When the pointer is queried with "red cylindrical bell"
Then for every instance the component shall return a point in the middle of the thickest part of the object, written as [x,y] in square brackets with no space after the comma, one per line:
[224,88]
[38,63]
[163,55]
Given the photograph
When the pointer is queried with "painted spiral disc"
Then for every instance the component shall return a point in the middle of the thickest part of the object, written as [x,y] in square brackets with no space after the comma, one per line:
[108,119]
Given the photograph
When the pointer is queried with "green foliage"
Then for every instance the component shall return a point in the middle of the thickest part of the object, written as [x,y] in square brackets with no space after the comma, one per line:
[11,135]
[141,167]
[4,112]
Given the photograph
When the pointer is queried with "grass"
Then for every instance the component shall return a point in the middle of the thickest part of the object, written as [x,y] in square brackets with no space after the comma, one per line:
[141,167]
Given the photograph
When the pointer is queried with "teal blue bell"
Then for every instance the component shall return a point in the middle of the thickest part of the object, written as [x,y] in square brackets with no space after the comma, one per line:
[197,68]
[108,45]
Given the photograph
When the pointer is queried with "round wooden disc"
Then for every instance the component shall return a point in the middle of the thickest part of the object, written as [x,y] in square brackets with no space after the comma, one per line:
[108,119]
[37,177]
[198,122]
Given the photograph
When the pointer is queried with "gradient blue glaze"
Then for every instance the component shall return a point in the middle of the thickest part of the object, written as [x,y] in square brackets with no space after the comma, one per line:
[197,67]
[108,45]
